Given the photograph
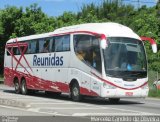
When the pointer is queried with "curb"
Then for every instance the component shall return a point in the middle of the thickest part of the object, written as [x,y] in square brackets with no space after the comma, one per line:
[153,98]
[13,103]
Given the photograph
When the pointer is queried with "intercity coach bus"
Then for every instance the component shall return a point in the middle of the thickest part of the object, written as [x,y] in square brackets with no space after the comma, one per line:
[106,60]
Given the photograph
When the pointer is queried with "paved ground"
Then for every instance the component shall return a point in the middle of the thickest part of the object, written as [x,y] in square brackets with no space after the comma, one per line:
[41,105]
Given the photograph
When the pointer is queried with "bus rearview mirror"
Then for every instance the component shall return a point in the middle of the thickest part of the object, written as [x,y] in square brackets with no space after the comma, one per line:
[103,43]
[152,42]
[154,48]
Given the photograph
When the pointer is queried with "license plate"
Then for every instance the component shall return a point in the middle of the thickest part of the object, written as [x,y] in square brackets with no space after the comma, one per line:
[129,93]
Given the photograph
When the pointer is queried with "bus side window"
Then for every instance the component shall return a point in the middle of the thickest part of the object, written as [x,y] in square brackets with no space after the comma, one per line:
[32,47]
[16,51]
[49,44]
[22,50]
[29,47]
[62,43]
[96,62]
[8,53]
[9,50]
[82,47]
[52,44]
[66,43]
[41,45]
[87,49]
[44,45]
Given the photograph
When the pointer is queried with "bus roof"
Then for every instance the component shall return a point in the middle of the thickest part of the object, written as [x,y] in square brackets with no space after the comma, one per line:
[109,29]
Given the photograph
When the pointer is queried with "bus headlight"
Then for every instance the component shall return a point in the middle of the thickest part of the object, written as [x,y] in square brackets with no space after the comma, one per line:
[108,86]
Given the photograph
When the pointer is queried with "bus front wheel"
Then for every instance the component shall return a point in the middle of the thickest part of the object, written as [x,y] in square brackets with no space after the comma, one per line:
[75,92]
[24,87]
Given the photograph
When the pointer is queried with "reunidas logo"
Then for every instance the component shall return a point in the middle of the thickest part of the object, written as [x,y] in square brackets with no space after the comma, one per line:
[47,61]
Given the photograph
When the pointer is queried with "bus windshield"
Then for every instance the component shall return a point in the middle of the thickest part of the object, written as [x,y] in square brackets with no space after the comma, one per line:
[125,58]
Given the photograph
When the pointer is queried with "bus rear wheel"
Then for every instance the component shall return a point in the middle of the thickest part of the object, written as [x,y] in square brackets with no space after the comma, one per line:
[24,89]
[114,100]
[75,92]
[17,86]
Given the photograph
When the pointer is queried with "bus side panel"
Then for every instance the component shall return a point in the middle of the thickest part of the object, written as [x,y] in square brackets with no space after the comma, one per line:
[82,72]
[8,78]
[48,77]
[8,74]
[41,77]
[61,71]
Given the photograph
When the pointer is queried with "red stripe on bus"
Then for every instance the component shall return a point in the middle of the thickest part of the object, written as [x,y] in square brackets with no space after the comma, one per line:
[36,83]
[22,54]
[102,36]
[88,32]
[18,61]
[13,57]
[117,85]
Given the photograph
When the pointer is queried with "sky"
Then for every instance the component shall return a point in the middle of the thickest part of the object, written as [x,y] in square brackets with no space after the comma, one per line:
[57,7]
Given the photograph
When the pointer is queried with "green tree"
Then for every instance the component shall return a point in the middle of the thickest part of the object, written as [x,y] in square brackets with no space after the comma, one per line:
[1,26]
[16,22]
[33,21]
[8,18]
[66,19]
[1,30]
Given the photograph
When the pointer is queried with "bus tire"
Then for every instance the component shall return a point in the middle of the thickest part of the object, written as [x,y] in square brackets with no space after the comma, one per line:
[114,100]
[17,86]
[24,89]
[75,92]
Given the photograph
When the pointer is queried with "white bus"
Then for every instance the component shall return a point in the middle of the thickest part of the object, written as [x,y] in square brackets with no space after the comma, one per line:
[105,60]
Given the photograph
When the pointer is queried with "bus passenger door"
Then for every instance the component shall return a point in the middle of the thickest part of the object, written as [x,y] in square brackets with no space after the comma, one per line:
[83,60]
[96,66]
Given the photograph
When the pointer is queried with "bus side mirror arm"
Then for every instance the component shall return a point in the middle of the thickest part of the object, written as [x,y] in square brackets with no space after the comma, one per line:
[152,42]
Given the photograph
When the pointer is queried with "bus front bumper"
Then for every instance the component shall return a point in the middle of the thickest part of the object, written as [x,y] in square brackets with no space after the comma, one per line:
[121,93]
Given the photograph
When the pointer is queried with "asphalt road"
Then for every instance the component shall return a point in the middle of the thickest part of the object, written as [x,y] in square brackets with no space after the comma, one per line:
[40,104]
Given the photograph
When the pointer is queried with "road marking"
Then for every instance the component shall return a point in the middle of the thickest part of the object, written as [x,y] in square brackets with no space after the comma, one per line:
[102,107]
[98,107]
[34,110]
[72,108]
[50,100]
[51,103]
